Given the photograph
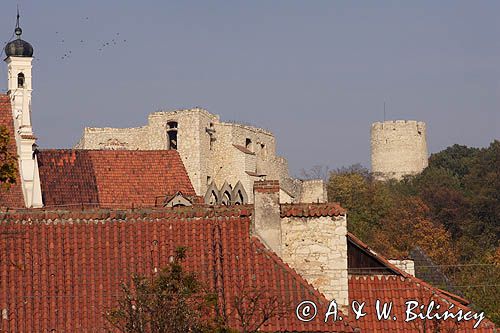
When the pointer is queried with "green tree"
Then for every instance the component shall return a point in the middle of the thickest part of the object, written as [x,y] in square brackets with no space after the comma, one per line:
[365,199]
[174,301]
[8,162]
[451,210]
[456,159]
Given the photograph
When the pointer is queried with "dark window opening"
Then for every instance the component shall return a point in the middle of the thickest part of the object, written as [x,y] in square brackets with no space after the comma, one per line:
[172,140]
[226,199]
[211,132]
[248,144]
[213,199]
[239,198]
[20,80]
[172,135]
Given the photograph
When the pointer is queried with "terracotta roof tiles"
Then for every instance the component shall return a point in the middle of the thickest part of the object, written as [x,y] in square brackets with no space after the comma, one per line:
[64,276]
[111,178]
[399,290]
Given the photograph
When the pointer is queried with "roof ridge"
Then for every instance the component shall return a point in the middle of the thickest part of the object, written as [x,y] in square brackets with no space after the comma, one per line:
[43,214]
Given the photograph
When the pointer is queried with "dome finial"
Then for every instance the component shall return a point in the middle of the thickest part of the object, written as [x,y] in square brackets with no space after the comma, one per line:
[18,47]
[18,31]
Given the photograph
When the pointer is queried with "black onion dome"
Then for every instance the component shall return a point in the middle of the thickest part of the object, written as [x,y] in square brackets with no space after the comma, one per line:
[18,48]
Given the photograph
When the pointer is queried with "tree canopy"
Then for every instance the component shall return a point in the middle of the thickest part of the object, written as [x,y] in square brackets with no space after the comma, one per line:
[451,211]
[8,165]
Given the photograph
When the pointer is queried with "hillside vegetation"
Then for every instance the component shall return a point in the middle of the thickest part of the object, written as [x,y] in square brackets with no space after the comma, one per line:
[451,211]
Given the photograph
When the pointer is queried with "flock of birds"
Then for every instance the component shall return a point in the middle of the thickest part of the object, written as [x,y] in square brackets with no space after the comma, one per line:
[69,46]
[68,53]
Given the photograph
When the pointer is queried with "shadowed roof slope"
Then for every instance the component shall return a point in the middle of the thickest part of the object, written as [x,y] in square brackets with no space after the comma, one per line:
[62,275]
[11,197]
[400,288]
[111,178]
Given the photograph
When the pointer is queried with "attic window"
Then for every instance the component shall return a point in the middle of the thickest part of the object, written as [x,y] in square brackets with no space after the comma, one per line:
[172,135]
[20,80]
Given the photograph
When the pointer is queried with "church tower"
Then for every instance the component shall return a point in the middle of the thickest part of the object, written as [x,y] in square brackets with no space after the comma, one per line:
[19,55]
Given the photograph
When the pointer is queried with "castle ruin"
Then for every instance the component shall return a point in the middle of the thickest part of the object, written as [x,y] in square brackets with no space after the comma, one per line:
[223,159]
[398,148]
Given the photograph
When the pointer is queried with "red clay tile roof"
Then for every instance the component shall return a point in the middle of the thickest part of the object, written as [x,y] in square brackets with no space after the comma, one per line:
[312,210]
[63,275]
[111,178]
[12,196]
[400,288]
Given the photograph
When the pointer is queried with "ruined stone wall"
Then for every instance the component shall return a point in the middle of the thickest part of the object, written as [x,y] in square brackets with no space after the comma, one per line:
[210,149]
[406,265]
[114,138]
[193,142]
[316,247]
[398,148]
[313,190]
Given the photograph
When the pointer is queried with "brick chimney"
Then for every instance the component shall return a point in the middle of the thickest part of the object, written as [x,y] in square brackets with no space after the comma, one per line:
[266,217]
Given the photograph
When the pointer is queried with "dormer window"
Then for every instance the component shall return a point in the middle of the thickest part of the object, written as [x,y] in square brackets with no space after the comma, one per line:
[20,80]
[172,135]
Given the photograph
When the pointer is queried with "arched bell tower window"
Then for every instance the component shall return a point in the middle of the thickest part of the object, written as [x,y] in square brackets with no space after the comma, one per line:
[20,80]
[172,135]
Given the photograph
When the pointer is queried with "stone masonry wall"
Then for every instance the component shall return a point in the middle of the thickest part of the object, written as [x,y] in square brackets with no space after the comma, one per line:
[114,138]
[405,265]
[398,148]
[207,148]
[313,190]
[192,140]
[317,249]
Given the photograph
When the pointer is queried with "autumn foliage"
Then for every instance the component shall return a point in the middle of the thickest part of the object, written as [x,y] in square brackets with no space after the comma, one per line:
[451,211]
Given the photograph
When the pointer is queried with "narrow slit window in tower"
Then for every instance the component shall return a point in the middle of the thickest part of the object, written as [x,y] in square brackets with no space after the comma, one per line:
[20,80]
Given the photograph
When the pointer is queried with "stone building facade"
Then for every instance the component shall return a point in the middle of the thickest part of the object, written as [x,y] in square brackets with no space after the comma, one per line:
[398,148]
[309,238]
[217,155]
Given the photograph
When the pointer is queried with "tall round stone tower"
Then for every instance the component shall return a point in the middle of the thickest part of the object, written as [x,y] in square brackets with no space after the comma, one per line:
[398,148]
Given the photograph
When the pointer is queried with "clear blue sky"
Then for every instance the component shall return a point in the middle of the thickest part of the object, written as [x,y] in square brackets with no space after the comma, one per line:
[316,73]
